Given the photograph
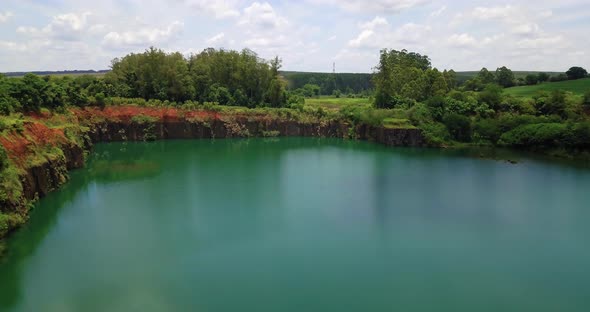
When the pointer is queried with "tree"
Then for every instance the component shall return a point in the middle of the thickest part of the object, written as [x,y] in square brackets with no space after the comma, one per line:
[311,90]
[492,96]
[485,76]
[403,73]
[576,73]
[505,77]
[543,77]
[8,104]
[29,92]
[554,104]
[560,77]
[459,126]
[531,79]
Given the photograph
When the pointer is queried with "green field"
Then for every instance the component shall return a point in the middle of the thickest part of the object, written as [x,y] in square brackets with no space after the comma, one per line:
[574,86]
[333,103]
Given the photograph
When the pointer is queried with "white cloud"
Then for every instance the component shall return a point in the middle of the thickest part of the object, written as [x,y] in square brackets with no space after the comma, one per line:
[376,6]
[67,27]
[377,32]
[308,35]
[487,13]
[439,12]
[143,37]
[12,46]
[376,22]
[220,40]
[262,16]
[219,8]
[527,29]
[4,17]
[462,40]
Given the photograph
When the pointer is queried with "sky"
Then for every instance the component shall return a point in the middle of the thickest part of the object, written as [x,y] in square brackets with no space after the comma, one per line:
[308,35]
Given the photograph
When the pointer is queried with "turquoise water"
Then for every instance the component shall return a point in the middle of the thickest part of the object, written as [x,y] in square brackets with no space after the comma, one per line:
[301,224]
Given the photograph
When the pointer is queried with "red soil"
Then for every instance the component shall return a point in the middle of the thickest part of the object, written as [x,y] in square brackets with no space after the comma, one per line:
[19,145]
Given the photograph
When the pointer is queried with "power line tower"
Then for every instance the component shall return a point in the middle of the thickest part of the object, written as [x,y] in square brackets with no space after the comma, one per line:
[334,68]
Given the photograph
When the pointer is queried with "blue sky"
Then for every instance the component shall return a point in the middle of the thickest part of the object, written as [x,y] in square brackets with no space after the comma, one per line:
[309,35]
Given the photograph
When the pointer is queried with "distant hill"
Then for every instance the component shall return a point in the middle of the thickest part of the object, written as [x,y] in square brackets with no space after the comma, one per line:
[575,86]
[59,73]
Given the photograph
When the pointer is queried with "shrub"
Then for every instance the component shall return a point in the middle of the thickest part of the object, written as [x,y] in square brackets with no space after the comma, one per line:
[553,104]
[3,158]
[491,95]
[459,126]
[420,114]
[435,133]
[537,135]
[487,129]
[586,99]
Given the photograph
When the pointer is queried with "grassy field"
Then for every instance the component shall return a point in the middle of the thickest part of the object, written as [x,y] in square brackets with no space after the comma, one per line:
[333,103]
[574,86]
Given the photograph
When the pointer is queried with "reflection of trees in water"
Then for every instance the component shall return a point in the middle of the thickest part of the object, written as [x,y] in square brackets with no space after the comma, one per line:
[103,167]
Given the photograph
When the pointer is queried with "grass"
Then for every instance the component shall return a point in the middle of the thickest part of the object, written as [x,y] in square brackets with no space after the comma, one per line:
[397,123]
[575,86]
[333,103]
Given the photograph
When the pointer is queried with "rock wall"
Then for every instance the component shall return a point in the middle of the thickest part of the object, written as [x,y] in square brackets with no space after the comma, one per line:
[122,131]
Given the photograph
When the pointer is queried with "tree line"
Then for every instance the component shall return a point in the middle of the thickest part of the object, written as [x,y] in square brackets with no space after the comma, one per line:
[506,78]
[328,83]
[479,111]
[219,76]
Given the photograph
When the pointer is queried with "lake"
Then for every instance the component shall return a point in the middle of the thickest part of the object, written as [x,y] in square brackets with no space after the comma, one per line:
[303,224]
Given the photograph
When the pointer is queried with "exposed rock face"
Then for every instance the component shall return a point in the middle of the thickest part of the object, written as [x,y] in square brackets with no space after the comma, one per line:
[121,131]
[40,180]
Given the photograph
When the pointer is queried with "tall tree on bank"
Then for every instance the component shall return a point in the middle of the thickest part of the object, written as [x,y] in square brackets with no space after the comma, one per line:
[226,77]
[505,77]
[403,74]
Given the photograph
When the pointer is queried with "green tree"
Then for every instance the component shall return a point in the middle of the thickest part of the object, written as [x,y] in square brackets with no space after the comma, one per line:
[402,73]
[311,90]
[492,96]
[485,76]
[459,126]
[505,77]
[554,104]
[29,92]
[8,104]
[576,73]
[531,79]
[543,77]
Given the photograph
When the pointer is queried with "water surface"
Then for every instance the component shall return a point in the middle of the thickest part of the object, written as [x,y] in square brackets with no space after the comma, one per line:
[300,224]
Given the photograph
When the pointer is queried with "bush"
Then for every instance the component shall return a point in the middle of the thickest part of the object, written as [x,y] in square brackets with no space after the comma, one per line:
[3,159]
[420,114]
[552,104]
[586,99]
[492,96]
[488,130]
[435,133]
[459,126]
[536,135]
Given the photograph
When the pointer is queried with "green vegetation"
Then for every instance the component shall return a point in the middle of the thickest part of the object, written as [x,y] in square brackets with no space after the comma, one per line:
[330,84]
[494,108]
[575,86]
